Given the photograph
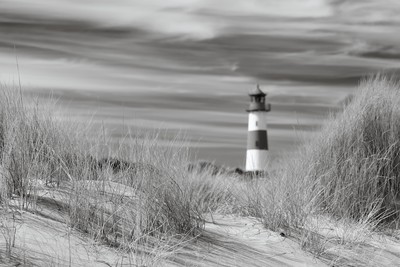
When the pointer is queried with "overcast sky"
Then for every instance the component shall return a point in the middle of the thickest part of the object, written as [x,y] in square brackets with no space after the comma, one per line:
[186,65]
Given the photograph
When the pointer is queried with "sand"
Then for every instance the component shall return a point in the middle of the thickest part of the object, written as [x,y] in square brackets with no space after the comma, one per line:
[43,238]
[232,241]
[242,241]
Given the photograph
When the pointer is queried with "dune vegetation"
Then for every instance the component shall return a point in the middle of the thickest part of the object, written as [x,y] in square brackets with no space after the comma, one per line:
[146,201]
[49,163]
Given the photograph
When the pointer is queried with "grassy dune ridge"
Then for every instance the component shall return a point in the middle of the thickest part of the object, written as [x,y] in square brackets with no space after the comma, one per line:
[145,201]
[355,160]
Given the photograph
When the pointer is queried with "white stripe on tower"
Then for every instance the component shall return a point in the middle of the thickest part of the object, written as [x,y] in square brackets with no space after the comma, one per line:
[257,121]
[257,140]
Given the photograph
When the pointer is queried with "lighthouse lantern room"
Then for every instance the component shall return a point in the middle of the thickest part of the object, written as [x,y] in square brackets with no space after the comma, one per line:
[257,139]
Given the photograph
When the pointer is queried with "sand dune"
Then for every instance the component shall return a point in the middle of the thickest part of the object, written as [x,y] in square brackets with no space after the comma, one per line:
[43,239]
[238,241]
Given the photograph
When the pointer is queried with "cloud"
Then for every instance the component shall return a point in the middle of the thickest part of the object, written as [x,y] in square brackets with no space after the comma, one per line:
[176,17]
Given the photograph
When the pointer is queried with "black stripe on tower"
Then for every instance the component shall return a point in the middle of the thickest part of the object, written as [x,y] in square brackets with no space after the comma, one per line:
[257,140]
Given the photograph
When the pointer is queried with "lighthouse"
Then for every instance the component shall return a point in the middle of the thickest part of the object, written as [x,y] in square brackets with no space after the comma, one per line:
[257,139]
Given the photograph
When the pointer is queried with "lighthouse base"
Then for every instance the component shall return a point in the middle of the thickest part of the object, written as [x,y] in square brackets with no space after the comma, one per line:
[256,159]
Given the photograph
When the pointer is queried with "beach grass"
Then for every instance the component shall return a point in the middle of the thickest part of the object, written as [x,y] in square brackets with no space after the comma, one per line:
[355,160]
[142,205]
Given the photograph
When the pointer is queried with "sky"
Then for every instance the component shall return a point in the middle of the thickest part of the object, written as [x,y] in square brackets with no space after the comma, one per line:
[187,65]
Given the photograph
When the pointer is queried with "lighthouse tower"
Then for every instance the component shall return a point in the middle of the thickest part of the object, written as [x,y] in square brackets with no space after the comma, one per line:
[257,140]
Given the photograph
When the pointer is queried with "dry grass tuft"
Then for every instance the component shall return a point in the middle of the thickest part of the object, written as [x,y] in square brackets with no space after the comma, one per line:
[355,161]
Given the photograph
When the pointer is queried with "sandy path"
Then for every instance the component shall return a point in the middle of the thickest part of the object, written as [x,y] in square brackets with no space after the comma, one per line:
[43,239]
[238,241]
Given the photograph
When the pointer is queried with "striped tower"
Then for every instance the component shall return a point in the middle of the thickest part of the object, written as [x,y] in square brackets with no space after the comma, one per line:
[257,140]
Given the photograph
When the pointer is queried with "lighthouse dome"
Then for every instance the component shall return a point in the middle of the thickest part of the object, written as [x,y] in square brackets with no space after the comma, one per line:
[257,100]
[256,91]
